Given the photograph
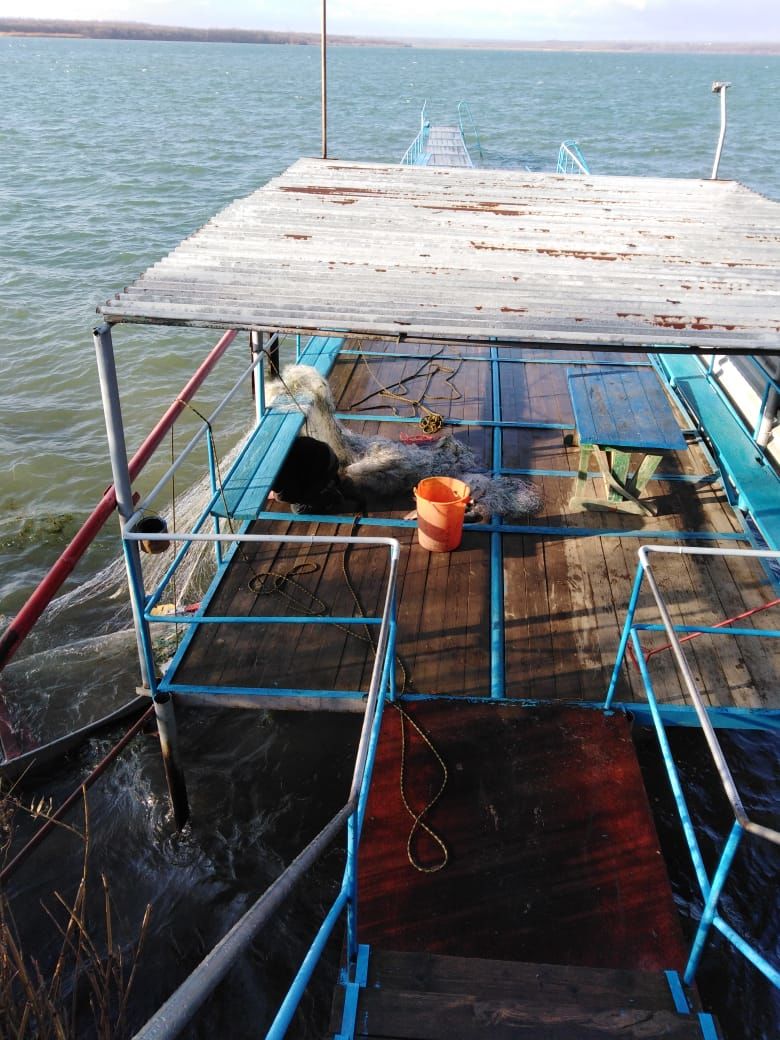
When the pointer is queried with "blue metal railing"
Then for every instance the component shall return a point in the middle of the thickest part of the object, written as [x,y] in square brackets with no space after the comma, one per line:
[711,888]
[417,152]
[571,159]
[184,1003]
[464,110]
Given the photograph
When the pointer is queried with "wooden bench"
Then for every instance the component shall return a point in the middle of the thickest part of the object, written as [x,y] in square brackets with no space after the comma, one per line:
[619,412]
[247,485]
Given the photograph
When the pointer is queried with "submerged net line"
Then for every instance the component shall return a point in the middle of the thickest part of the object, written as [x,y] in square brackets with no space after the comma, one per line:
[378,467]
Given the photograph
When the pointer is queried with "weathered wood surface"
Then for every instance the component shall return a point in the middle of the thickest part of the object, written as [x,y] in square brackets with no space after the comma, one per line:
[546,859]
[416,1016]
[384,250]
[565,593]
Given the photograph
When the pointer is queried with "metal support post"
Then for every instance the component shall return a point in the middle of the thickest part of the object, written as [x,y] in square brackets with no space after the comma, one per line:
[324,47]
[112,412]
[109,390]
[497,660]
[169,746]
[258,375]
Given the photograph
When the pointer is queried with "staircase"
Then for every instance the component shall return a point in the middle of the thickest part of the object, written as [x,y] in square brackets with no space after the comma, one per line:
[428,997]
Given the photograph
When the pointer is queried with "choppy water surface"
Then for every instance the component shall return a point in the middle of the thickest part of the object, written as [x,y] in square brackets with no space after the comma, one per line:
[111,153]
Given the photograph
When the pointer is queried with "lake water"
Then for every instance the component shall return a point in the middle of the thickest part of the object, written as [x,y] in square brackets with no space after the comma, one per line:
[110,153]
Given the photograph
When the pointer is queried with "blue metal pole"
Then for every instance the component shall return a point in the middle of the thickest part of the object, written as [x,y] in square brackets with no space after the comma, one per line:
[747,951]
[710,906]
[284,1015]
[214,490]
[624,637]
[497,663]
[671,770]
[352,895]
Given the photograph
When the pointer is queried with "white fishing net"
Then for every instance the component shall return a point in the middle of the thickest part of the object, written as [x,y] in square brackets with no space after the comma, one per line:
[380,468]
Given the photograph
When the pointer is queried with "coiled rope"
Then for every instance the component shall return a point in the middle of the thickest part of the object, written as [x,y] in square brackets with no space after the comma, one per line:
[431,421]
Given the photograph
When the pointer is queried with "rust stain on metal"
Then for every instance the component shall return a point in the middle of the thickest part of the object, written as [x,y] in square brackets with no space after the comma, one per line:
[584,254]
[628,314]
[476,207]
[670,321]
[498,249]
[514,310]
[327,189]
[698,324]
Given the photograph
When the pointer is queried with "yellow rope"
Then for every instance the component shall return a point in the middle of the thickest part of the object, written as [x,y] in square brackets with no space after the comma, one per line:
[432,421]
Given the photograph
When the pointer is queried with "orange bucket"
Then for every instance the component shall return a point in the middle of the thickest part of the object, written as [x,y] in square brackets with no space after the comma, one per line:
[441,504]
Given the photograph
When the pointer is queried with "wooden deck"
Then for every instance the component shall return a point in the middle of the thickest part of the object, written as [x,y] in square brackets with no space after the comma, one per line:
[566,583]
[546,857]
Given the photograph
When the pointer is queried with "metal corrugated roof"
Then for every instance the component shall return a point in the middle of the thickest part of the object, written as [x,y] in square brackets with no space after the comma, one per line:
[379,250]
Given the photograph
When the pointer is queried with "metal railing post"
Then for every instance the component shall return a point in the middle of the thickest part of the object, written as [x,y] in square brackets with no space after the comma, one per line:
[497,660]
[353,839]
[710,906]
[719,87]
[624,637]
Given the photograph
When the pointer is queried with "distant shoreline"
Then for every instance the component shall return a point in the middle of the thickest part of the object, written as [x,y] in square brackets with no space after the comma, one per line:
[98,30]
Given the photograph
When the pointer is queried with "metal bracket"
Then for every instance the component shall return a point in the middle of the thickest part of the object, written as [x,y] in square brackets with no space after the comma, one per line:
[352,993]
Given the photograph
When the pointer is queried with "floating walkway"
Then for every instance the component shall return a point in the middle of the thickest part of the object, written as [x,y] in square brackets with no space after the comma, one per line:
[445,147]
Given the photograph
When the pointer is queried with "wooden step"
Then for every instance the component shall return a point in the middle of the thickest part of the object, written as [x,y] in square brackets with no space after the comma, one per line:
[434,997]
[594,988]
[436,1016]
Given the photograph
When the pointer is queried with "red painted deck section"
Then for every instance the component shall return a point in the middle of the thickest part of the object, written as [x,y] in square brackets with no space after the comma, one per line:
[553,855]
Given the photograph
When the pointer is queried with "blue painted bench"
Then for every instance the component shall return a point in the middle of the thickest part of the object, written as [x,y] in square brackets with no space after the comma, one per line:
[756,484]
[246,487]
[619,412]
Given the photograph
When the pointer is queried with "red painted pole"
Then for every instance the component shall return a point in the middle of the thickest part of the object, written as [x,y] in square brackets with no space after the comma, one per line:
[18,629]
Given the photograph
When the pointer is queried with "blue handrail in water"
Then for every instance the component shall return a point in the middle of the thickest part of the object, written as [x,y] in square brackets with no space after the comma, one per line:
[571,159]
[417,152]
[463,109]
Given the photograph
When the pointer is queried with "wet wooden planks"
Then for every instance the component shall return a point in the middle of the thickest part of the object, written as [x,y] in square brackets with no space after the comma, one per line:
[565,593]
[546,859]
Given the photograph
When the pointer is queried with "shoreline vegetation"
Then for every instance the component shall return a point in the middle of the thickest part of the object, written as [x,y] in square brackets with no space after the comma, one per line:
[105,30]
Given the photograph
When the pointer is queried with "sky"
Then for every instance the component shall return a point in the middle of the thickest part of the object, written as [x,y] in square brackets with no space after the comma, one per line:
[662,20]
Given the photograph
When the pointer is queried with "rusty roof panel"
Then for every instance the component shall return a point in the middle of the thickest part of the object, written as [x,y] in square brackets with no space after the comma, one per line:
[437,253]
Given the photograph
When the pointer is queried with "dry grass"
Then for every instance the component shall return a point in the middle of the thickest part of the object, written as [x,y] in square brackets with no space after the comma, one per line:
[86,992]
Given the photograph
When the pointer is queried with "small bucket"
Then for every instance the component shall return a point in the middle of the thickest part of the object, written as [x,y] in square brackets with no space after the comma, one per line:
[441,504]
[152,525]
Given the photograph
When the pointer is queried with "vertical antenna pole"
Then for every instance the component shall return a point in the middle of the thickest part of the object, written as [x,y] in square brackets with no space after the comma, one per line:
[718,87]
[324,45]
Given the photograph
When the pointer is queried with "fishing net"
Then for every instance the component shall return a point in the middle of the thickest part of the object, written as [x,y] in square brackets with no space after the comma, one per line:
[379,468]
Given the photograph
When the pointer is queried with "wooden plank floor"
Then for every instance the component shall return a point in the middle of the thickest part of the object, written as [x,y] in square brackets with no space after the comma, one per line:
[565,591]
[547,862]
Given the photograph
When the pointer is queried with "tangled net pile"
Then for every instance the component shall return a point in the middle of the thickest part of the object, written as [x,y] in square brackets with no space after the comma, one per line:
[379,468]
